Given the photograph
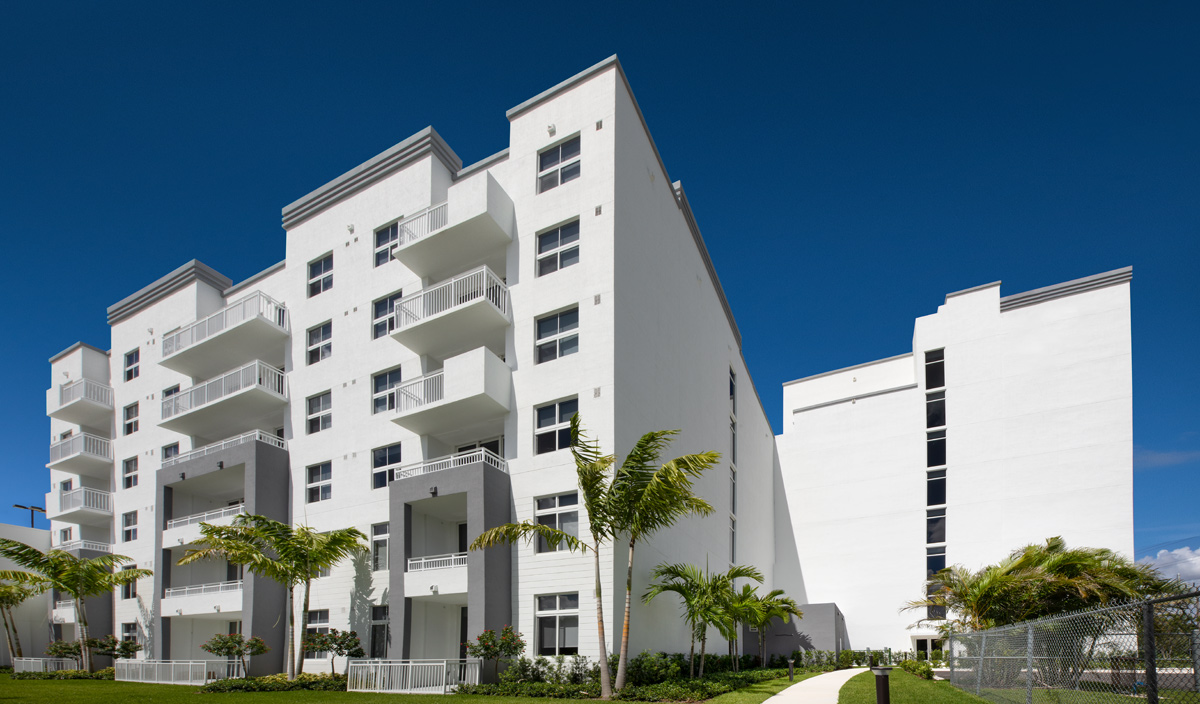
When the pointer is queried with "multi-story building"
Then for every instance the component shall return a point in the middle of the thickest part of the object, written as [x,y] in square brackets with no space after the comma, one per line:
[409,369]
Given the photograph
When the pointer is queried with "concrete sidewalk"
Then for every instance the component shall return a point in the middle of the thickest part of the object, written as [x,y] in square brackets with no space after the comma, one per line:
[822,689]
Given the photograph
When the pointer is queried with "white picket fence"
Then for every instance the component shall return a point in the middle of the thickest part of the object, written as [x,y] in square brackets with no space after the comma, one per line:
[44,664]
[411,676]
[193,672]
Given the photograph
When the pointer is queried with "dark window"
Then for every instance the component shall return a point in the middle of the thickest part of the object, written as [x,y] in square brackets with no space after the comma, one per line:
[935,490]
[133,364]
[320,482]
[554,426]
[558,624]
[558,165]
[318,624]
[170,451]
[934,564]
[561,512]
[320,275]
[558,248]
[935,409]
[935,528]
[379,631]
[383,461]
[384,315]
[935,447]
[935,369]
[557,335]
[382,398]
[320,342]
[384,243]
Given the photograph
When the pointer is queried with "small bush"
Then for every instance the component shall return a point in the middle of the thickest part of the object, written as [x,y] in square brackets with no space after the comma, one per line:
[920,668]
[323,682]
[675,690]
[105,674]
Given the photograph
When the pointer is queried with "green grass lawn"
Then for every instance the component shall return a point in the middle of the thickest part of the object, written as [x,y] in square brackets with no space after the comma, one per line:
[909,689]
[105,692]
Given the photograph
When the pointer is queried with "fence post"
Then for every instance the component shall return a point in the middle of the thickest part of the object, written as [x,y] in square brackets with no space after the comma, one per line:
[1148,643]
[1196,659]
[949,654]
[979,668]
[1029,664]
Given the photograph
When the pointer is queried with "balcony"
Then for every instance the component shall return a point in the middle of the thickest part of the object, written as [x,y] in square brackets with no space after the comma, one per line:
[455,315]
[82,506]
[185,531]
[471,389]
[436,576]
[442,464]
[252,436]
[83,454]
[82,545]
[64,611]
[202,599]
[475,224]
[254,327]
[82,402]
[254,395]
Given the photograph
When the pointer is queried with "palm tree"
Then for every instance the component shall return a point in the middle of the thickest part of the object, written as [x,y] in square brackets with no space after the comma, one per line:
[78,576]
[740,607]
[12,596]
[646,498]
[771,606]
[289,555]
[703,595]
[592,471]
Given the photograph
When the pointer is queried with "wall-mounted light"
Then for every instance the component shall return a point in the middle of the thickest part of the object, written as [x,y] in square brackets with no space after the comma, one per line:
[433,491]
[182,475]
[221,465]
[551,129]
[350,229]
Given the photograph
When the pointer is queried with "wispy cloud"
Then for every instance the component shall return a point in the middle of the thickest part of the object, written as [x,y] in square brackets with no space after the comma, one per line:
[1153,459]
[1182,562]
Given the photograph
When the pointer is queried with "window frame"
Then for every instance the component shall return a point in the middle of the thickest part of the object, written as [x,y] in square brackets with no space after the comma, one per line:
[320,617]
[129,472]
[387,467]
[556,339]
[558,614]
[561,165]
[129,589]
[935,449]
[388,319]
[129,530]
[129,424]
[323,417]
[556,510]
[170,391]
[385,395]
[323,346]
[380,625]
[555,429]
[385,249]
[322,279]
[322,485]
[560,248]
[133,363]
[935,522]
[935,369]
[126,636]
[169,451]
[380,533]
[932,477]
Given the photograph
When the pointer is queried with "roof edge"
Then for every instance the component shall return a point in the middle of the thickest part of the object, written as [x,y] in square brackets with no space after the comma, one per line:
[76,346]
[482,164]
[241,286]
[1067,288]
[565,85]
[973,289]
[850,368]
[856,397]
[193,271]
[690,218]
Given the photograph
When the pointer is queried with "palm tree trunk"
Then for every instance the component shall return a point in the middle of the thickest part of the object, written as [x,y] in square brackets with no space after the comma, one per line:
[85,655]
[291,632]
[304,623]
[12,653]
[703,642]
[605,675]
[623,661]
[762,646]
[15,633]
[692,657]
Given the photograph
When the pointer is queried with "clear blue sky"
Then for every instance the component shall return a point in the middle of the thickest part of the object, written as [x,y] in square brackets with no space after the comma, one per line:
[849,163]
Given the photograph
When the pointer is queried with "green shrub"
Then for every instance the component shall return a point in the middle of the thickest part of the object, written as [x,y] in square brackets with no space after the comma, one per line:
[323,682]
[920,668]
[105,674]
[676,690]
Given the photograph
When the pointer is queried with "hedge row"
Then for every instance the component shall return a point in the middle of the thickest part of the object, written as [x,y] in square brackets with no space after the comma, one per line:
[324,682]
[105,674]
[680,690]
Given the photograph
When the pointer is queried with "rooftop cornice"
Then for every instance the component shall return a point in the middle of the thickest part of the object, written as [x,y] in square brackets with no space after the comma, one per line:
[193,271]
[1067,288]
[567,85]
[416,147]
[973,289]
[76,346]
[850,368]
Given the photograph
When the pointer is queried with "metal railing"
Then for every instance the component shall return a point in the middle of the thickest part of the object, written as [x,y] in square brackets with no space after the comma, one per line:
[437,562]
[461,459]
[255,374]
[252,436]
[193,672]
[420,224]
[206,516]
[210,588]
[418,392]
[85,497]
[257,304]
[84,545]
[411,676]
[85,388]
[84,443]
[479,284]
[44,664]
[1143,649]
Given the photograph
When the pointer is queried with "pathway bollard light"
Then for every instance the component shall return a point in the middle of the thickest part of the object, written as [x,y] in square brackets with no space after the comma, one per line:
[883,694]
[791,671]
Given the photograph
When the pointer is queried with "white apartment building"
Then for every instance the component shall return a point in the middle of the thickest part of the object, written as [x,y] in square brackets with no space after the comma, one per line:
[409,368]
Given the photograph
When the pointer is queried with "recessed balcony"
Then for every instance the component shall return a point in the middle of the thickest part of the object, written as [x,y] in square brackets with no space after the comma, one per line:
[455,315]
[436,575]
[475,224]
[185,531]
[84,506]
[470,389]
[84,546]
[442,464]
[223,598]
[82,402]
[221,446]
[64,611]
[83,454]
[254,327]
[251,396]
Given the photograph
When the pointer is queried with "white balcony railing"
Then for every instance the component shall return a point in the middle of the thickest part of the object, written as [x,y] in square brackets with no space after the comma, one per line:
[84,545]
[252,436]
[461,459]
[422,391]
[84,497]
[460,290]
[206,516]
[255,373]
[410,676]
[193,672]
[210,588]
[256,304]
[64,604]
[437,562]
[44,664]
[85,388]
[420,224]
[84,443]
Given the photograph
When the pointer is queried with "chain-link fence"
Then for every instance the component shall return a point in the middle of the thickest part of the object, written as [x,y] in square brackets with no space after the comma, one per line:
[1140,652]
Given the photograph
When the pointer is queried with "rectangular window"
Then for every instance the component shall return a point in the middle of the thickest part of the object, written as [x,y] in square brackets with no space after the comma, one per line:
[129,589]
[320,412]
[493,445]
[935,525]
[320,275]
[66,485]
[935,561]
[732,393]
[733,441]
[65,434]
[935,409]
[733,539]
[733,491]
[561,512]
[132,363]
[558,165]
[64,535]
[935,369]
[318,624]
[129,632]
[170,391]
[935,488]
[379,547]
[382,398]
[170,451]
[557,335]
[131,419]
[558,624]
[554,426]
[384,315]
[386,240]
[320,482]
[320,342]
[379,631]
[129,473]
[383,461]
[128,526]
[935,449]
[558,248]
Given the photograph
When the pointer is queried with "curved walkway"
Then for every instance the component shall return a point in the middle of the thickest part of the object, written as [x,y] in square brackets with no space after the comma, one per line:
[822,689]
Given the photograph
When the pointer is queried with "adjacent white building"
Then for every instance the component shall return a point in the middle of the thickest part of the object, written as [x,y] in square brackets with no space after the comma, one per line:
[409,367]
